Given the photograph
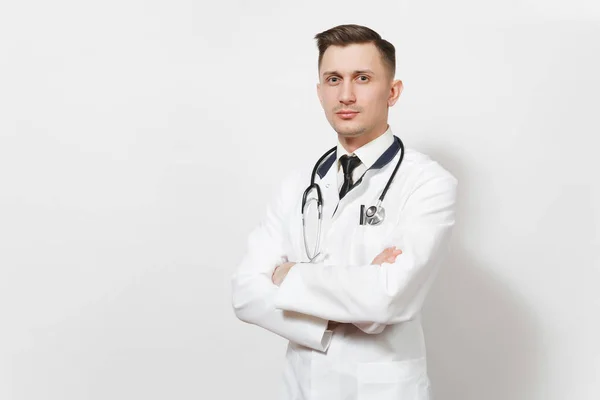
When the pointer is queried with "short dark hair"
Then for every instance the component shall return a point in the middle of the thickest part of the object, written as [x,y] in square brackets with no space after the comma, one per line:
[343,35]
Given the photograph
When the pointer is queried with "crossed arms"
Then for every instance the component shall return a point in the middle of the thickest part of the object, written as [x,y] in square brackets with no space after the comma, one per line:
[369,296]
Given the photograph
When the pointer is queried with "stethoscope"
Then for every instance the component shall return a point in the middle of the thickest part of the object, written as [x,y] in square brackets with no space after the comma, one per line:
[374,215]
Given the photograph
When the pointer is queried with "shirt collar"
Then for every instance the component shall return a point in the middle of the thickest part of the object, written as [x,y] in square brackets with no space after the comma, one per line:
[369,152]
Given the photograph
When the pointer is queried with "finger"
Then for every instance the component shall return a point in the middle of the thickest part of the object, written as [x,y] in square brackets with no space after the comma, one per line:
[393,258]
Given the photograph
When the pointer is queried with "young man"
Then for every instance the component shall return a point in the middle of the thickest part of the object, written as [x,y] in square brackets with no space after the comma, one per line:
[350,307]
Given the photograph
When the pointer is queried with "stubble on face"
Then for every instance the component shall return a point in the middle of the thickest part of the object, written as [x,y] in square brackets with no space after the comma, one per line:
[349,131]
[346,64]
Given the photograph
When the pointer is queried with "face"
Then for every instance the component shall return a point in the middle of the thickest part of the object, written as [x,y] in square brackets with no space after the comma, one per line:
[356,89]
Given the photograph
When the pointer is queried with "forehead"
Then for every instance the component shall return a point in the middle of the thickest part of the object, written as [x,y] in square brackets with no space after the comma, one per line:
[352,57]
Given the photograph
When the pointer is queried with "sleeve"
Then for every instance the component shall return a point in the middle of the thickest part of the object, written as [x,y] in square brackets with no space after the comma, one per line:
[253,292]
[372,296]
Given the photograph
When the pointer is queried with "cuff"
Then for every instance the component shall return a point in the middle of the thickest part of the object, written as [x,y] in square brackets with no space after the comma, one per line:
[290,289]
[314,335]
[306,330]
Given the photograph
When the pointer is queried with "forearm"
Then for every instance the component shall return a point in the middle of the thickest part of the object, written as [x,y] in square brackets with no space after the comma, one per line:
[365,294]
[253,302]
[347,294]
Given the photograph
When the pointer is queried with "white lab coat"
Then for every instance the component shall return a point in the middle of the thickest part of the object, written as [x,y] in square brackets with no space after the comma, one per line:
[379,351]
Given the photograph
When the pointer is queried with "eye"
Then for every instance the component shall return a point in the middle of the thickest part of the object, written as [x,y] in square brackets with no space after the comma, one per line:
[363,78]
[333,79]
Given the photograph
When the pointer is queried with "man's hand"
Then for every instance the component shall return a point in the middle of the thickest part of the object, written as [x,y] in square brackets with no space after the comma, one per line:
[387,256]
[281,272]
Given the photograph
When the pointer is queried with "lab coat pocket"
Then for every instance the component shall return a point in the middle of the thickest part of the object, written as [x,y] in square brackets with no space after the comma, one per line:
[393,380]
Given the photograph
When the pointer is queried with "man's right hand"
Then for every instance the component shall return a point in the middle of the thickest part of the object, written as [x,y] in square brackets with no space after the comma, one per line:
[387,256]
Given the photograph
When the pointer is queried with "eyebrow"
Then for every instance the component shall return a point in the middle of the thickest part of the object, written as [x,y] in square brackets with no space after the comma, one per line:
[359,71]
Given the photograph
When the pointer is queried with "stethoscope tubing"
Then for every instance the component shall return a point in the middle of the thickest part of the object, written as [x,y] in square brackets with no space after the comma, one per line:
[319,198]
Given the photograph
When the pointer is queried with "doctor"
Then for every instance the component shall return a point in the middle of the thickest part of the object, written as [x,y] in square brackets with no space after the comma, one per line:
[349,299]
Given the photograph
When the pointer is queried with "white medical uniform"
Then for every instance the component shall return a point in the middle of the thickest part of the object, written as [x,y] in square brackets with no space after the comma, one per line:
[378,352]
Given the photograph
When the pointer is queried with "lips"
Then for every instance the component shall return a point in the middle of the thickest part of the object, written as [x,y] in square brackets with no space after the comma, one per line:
[346,114]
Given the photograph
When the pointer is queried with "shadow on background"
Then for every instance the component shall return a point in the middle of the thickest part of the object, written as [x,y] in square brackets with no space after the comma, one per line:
[481,337]
[483,340]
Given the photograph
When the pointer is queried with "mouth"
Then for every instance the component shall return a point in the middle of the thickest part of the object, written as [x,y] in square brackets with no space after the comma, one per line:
[346,114]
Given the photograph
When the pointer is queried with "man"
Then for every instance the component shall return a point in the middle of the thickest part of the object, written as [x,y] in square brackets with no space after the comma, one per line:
[352,315]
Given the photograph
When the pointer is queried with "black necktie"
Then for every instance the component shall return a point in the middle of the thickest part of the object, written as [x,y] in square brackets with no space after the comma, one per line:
[348,165]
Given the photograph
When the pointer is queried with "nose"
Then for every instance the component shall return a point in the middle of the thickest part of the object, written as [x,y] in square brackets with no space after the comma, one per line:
[346,94]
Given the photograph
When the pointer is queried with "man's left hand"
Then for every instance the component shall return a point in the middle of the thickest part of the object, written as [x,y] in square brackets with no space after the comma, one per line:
[281,272]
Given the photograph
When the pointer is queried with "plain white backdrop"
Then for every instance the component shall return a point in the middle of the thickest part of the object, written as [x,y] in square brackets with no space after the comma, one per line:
[140,141]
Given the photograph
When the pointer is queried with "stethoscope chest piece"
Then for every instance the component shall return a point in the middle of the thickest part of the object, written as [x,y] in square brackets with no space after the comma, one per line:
[373,215]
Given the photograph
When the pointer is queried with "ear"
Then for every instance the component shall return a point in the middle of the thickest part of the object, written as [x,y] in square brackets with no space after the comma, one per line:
[320,94]
[395,91]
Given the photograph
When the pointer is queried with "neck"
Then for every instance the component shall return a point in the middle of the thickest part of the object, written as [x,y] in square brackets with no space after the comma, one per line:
[355,142]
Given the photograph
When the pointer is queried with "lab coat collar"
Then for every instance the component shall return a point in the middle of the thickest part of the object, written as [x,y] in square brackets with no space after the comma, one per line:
[383,159]
[324,167]
[370,152]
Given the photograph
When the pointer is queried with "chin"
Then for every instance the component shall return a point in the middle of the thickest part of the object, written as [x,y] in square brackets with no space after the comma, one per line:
[349,131]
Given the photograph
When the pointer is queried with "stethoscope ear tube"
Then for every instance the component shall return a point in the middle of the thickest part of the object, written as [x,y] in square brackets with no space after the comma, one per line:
[305,196]
[319,219]
[313,184]
[394,172]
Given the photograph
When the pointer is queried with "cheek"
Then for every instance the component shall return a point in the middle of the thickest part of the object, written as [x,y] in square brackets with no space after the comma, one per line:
[374,100]
[325,95]
[329,101]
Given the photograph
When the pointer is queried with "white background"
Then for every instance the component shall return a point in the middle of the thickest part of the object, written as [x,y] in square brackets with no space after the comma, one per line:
[140,140]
